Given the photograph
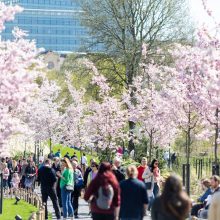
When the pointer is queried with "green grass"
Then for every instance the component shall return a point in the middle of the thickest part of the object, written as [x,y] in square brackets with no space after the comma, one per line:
[65,149]
[22,208]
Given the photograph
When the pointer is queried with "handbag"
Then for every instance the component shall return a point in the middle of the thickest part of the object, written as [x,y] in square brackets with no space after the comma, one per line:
[70,188]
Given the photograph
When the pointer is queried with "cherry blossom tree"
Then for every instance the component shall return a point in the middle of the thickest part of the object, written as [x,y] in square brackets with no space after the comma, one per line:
[107,118]
[18,67]
[199,67]
[43,115]
[76,132]
[149,110]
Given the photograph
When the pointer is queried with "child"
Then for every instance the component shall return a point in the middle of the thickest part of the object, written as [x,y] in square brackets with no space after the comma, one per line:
[15,182]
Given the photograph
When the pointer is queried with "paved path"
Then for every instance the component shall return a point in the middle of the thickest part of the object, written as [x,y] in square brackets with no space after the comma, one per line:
[83,210]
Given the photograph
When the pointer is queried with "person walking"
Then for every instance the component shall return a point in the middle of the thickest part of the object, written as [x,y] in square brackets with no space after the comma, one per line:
[78,184]
[142,168]
[47,179]
[92,173]
[116,170]
[173,204]
[104,194]
[134,198]
[151,178]
[66,179]
[57,168]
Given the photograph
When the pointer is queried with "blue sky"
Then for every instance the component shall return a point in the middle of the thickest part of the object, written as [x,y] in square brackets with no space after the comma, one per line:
[199,14]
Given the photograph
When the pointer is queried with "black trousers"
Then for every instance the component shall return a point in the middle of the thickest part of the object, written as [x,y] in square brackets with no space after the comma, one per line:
[98,216]
[195,209]
[52,194]
[58,191]
[75,200]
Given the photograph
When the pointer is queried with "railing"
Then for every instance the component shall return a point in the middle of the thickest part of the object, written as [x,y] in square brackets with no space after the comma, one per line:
[33,199]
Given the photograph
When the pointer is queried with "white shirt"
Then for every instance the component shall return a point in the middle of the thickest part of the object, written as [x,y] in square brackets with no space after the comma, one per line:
[84,160]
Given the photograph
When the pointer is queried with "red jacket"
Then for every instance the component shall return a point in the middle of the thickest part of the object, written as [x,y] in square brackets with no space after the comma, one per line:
[140,172]
[92,190]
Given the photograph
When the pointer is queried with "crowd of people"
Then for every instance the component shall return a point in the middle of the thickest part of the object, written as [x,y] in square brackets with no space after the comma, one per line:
[111,192]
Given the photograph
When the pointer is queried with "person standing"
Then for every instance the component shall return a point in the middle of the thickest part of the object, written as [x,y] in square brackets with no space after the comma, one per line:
[24,164]
[30,175]
[5,173]
[66,179]
[78,184]
[173,204]
[15,181]
[67,155]
[12,169]
[57,154]
[88,170]
[83,163]
[116,170]
[134,198]
[47,179]
[104,194]
[142,168]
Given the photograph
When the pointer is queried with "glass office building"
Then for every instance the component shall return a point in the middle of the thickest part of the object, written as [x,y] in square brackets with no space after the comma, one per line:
[54,24]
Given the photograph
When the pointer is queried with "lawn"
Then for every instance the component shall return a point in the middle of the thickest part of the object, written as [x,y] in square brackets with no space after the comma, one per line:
[65,149]
[10,210]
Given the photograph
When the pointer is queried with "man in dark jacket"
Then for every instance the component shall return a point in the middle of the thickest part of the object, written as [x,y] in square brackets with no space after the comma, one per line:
[116,170]
[47,179]
[134,198]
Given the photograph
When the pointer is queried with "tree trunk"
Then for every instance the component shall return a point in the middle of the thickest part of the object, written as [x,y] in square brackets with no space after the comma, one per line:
[50,144]
[216,137]
[131,145]
[151,146]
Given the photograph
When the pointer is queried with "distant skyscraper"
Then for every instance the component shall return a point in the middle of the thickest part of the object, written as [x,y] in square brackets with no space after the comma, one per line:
[54,24]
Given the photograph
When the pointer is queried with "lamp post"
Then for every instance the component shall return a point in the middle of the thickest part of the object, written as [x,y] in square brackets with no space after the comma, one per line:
[1,192]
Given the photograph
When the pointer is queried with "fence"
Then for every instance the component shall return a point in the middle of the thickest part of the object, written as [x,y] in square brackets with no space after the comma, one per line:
[33,199]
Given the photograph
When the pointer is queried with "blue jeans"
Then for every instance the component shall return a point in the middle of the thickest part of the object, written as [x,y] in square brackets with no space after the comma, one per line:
[151,199]
[156,190]
[155,194]
[66,203]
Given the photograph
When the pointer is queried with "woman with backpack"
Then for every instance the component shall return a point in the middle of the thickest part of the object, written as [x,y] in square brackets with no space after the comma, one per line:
[104,194]
[78,185]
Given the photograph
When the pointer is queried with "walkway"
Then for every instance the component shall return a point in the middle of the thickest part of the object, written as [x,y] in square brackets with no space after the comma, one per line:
[83,210]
